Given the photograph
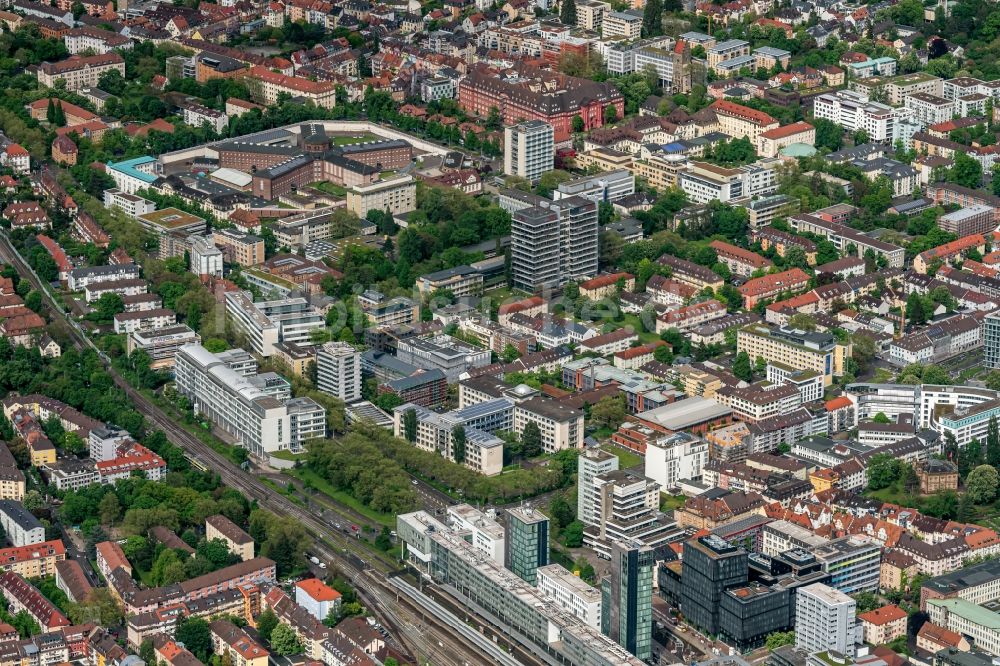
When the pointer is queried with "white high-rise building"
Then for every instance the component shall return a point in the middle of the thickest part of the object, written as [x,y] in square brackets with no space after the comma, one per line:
[529,149]
[825,620]
[592,461]
[679,456]
[338,371]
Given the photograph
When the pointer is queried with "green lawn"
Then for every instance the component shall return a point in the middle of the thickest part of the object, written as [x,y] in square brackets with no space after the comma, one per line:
[670,502]
[636,324]
[288,455]
[322,485]
[626,459]
[348,140]
[329,188]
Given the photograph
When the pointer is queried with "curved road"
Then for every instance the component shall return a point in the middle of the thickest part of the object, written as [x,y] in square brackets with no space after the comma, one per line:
[330,545]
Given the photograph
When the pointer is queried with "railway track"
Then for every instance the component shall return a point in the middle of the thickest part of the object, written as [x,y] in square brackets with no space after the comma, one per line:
[331,546]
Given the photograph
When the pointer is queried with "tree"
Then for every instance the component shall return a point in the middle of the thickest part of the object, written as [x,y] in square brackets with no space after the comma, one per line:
[652,18]
[562,511]
[284,641]
[993,442]
[108,305]
[109,508]
[778,639]
[828,134]
[911,482]
[742,368]
[662,354]
[266,624]
[881,418]
[609,412]
[410,425]
[882,470]
[531,440]
[915,309]
[567,14]
[867,601]
[573,534]
[981,484]
[966,171]
[578,124]
[510,354]
[802,322]
[610,114]
[458,443]
[194,632]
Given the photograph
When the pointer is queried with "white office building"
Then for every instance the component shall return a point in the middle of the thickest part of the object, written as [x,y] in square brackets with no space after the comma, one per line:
[671,459]
[825,620]
[254,409]
[529,149]
[206,258]
[267,323]
[485,533]
[338,371]
[567,591]
[608,186]
[854,111]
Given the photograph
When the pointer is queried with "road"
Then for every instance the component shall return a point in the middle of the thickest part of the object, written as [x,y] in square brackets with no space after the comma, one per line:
[331,546]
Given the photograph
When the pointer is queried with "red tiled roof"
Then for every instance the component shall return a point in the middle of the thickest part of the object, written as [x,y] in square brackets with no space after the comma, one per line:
[745,112]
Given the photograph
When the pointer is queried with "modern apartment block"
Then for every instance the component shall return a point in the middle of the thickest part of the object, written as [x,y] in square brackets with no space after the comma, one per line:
[245,404]
[592,462]
[626,507]
[266,323]
[853,562]
[529,149]
[855,111]
[991,340]
[825,620]
[338,371]
[704,182]
[608,186]
[554,242]
[628,593]
[527,542]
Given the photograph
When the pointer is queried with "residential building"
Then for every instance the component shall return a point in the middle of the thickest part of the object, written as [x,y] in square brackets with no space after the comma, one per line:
[554,242]
[853,563]
[626,508]
[883,625]
[825,620]
[819,352]
[854,111]
[241,648]
[20,525]
[670,459]
[78,71]
[237,540]
[481,450]
[592,462]
[338,371]
[317,597]
[397,194]
[704,182]
[529,149]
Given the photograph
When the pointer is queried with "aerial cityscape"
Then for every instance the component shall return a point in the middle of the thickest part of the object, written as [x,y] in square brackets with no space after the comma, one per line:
[499,332]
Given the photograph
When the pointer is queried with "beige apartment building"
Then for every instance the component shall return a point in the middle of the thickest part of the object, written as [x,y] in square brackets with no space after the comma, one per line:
[819,352]
[79,71]
[396,195]
[239,542]
[239,248]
